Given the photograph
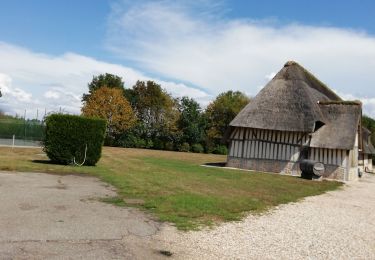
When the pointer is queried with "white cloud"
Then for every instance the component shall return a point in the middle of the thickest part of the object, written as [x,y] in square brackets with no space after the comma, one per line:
[9,91]
[52,94]
[369,106]
[270,76]
[32,81]
[13,98]
[178,42]
[217,54]
[368,103]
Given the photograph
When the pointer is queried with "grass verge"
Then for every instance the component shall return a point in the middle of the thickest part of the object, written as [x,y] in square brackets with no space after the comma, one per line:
[174,186]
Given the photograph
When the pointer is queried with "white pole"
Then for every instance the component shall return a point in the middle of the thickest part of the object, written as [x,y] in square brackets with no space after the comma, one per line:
[13,141]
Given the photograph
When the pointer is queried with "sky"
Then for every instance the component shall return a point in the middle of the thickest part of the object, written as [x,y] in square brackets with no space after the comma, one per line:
[50,50]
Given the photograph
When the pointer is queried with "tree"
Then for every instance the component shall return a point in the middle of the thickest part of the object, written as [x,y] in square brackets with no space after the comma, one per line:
[111,105]
[221,112]
[191,122]
[155,109]
[103,80]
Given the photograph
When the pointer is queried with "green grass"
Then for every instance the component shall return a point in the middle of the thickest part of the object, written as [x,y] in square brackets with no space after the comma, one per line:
[175,187]
[118,201]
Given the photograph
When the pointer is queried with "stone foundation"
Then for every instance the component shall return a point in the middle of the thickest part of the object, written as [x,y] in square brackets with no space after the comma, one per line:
[353,174]
[334,172]
[283,167]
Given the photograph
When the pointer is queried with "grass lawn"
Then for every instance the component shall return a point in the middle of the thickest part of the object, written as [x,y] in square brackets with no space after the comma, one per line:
[175,187]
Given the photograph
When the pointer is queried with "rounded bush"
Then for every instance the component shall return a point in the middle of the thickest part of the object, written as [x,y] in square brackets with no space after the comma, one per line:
[169,146]
[220,149]
[66,137]
[197,148]
[184,147]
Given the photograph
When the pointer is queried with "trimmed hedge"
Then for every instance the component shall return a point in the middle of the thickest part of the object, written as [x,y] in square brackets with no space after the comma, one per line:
[66,137]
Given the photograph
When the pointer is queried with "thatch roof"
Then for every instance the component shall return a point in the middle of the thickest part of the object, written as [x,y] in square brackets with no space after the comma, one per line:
[367,148]
[341,124]
[295,100]
[366,132]
[287,103]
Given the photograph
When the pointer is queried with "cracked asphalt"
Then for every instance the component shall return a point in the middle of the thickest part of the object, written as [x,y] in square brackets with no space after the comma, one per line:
[60,217]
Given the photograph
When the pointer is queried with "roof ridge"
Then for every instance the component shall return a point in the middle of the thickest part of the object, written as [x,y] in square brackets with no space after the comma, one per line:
[341,102]
[323,88]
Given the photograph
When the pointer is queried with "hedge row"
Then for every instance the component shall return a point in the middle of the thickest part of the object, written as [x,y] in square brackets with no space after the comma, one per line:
[66,138]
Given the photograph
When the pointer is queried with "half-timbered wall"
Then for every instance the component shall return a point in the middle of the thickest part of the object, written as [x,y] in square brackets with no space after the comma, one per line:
[266,144]
[279,151]
[329,156]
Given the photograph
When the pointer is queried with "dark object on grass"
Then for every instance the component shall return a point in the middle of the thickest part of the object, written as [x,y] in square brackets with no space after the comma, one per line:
[165,252]
[67,136]
[216,164]
[311,169]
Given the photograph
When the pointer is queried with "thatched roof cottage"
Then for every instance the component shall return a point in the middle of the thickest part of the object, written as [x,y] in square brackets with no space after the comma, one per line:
[365,156]
[294,117]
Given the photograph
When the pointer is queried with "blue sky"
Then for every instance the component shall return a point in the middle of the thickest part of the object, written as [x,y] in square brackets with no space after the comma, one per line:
[50,49]
[55,27]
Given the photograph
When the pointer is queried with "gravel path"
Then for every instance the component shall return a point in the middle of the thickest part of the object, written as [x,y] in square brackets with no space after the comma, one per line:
[336,225]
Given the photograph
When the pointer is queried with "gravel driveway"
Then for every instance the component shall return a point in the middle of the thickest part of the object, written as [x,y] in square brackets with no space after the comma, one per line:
[335,225]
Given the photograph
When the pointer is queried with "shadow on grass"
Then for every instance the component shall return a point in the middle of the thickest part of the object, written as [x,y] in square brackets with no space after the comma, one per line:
[216,164]
[49,162]
[46,162]
[55,168]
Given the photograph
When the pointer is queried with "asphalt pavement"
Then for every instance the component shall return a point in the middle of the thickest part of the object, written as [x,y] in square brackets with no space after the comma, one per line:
[44,216]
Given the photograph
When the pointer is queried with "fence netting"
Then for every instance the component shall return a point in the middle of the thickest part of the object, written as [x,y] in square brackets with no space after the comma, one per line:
[15,131]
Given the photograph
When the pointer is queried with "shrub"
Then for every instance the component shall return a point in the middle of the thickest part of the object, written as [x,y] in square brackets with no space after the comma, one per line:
[169,146]
[149,144]
[220,149]
[66,138]
[197,148]
[184,147]
[159,144]
[140,143]
[126,140]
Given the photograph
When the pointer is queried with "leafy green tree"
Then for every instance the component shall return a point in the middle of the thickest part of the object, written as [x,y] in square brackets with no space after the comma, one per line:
[156,111]
[111,105]
[220,113]
[191,121]
[103,80]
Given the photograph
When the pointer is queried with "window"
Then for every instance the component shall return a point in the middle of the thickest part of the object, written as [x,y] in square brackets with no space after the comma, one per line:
[318,124]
